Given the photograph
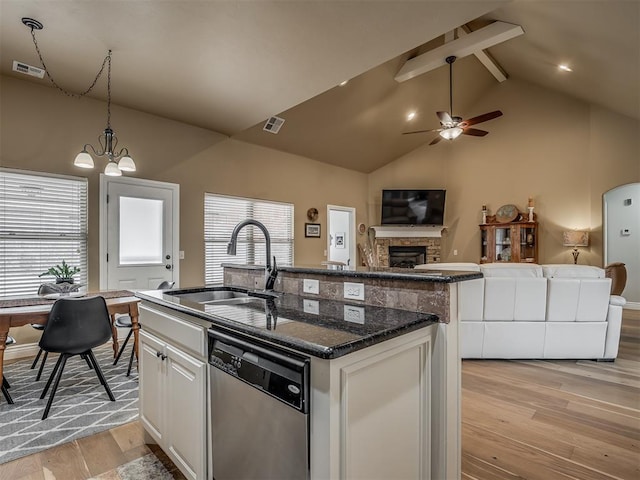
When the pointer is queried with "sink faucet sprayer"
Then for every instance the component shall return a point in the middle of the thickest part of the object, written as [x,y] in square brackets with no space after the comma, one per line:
[271,273]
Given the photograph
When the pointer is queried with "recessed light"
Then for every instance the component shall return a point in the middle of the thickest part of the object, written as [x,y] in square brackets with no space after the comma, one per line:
[411,116]
[342,84]
[565,68]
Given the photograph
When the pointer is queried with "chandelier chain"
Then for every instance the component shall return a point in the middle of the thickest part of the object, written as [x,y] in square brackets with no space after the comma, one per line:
[66,92]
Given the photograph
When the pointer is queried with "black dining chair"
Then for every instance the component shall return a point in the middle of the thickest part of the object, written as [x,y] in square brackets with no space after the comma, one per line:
[5,384]
[124,321]
[74,327]
[40,327]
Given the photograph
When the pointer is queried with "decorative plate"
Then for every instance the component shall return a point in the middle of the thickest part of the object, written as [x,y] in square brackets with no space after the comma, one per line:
[312,214]
[506,213]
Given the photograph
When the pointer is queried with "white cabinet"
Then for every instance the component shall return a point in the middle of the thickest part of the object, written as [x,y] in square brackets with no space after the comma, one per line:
[173,384]
[371,411]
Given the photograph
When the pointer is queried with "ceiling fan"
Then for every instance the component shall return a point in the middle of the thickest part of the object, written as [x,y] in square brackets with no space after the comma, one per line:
[452,127]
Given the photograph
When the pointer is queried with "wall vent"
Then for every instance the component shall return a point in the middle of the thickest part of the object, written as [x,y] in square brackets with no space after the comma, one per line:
[27,69]
[273,124]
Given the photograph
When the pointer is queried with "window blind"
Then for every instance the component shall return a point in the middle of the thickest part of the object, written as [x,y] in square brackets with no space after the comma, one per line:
[222,213]
[43,220]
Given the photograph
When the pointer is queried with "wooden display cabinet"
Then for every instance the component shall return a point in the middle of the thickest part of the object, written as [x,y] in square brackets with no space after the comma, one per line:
[513,242]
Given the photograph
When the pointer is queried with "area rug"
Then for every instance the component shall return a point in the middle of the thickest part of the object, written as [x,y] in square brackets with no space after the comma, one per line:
[80,408]
[143,468]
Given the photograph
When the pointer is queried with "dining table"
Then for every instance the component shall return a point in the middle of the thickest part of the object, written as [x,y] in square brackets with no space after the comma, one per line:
[20,311]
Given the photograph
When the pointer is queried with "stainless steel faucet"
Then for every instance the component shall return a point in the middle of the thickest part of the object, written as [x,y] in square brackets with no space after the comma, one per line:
[271,272]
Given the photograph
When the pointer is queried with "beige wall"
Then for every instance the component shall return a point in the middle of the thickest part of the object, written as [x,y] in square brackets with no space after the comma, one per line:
[43,130]
[562,152]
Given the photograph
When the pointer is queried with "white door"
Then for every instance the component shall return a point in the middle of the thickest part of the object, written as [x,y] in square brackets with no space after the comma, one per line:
[341,240]
[139,232]
[621,212]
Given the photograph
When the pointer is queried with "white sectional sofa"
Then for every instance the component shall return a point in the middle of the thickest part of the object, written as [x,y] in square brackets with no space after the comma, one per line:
[537,311]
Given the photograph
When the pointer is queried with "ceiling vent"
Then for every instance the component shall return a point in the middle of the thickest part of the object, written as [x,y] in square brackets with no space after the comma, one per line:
[273,125]
[27,69]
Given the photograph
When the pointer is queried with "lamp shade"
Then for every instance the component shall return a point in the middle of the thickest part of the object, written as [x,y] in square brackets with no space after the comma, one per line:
[112,170]
[83,160]
[451,133]
[126,164]
[575,238]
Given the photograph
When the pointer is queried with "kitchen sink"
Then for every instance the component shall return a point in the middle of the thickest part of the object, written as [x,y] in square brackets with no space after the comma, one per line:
[223,295]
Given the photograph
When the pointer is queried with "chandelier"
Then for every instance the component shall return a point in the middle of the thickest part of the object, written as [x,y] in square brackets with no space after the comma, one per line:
[118,161]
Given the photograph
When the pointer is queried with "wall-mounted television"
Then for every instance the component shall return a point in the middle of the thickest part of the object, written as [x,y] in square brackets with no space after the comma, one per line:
[413,207]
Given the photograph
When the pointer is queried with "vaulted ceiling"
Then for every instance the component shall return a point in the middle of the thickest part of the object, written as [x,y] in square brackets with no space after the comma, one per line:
[228,66]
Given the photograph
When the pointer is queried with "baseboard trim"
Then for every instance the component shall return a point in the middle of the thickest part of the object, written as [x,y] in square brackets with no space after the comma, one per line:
[632,305]
[16,352]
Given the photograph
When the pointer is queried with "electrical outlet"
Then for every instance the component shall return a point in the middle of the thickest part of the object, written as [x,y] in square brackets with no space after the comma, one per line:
[354,314]
[311,286]
[354,291]
[311,306]
[455,252]
[181,255]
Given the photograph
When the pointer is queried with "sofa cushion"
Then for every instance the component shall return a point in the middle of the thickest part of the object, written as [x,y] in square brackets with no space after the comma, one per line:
[520,299]
[513,339]
[575,340]
[511,270]
[572,271]
[578,299]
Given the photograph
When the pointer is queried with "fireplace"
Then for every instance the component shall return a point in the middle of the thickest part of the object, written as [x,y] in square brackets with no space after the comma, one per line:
[407,257]
[414,245]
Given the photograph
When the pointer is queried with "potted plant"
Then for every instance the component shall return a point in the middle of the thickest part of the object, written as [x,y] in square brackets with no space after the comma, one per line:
[63,273]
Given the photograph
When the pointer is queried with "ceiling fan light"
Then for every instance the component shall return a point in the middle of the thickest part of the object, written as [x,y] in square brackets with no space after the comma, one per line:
[126,164]
[451,133]
[83,160]
[112,170]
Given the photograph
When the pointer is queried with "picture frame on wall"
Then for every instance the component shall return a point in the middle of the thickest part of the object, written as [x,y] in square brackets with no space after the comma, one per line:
[340,240]
[312,230]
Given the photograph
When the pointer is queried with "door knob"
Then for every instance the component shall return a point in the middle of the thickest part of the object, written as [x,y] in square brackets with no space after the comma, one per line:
[168,266]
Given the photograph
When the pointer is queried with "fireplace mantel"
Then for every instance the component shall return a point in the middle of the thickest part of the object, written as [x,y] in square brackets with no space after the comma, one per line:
[395,231]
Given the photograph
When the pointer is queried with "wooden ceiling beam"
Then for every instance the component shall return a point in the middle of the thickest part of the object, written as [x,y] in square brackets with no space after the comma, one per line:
[468,44]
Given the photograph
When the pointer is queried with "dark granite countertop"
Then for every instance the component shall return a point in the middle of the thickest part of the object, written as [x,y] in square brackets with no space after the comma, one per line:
[318,327]
[439,276]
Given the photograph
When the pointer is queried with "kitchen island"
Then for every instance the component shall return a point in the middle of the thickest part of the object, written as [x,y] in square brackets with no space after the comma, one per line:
[384,394]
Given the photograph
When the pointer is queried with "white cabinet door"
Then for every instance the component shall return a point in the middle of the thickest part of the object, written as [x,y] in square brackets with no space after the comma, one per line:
[186,412]
[152,385]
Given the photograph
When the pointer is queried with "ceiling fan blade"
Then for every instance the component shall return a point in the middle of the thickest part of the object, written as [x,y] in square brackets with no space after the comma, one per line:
[435,140]
[444,117]
[474,132]
[422,131]
[482,118]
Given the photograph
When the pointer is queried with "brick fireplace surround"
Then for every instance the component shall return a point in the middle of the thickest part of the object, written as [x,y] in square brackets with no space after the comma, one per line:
[386,236]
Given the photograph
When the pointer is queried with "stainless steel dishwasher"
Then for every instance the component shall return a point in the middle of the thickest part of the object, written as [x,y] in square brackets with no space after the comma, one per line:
[259,410]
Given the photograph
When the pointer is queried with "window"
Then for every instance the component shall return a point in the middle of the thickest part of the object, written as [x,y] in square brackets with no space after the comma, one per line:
[223,213]
[43,220]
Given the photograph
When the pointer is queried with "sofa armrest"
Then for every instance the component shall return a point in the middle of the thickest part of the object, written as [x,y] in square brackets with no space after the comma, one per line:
[617,300]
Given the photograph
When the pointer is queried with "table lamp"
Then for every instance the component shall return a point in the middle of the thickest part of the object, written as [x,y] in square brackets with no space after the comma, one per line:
[575,239]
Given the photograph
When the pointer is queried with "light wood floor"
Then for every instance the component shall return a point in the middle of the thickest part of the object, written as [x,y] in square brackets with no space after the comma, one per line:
[534,420]
[548,420]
